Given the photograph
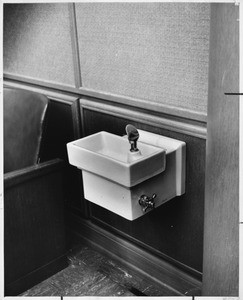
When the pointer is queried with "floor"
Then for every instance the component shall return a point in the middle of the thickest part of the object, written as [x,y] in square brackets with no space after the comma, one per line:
[92,274]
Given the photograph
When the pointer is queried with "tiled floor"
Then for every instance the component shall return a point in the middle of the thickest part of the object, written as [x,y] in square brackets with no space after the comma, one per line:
[92,274]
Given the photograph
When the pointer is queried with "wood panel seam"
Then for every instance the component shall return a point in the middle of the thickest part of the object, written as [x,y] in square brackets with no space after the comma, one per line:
[75,45]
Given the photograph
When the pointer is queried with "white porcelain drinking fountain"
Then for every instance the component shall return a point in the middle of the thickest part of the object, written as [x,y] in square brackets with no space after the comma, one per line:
[129,175]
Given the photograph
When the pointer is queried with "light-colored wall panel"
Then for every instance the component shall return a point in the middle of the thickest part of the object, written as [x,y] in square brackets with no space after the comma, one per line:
[152,51]
[37,42]
[221,211]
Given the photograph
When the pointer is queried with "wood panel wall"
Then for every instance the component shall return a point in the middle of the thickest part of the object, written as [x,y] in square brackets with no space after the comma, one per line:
[61,129]
[221,230]
[174,230]
[34,228]
[169,237]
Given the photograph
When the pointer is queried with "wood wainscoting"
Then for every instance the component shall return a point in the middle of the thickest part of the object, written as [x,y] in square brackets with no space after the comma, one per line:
[34,225]
[174,232]
[61,129]
[221,229]
[175,229]
[166,244]
[170,238]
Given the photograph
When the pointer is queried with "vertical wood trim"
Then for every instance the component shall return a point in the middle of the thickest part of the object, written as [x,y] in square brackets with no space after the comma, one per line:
[78,128]
[221,227]
[75,47]
[82,120]
[241,261]
[241,119]
[88,212]
[1,168]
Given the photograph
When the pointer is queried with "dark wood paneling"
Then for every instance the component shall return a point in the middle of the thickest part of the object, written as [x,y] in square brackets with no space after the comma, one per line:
[63,126]
[221,231]
[175,229]
[37,276]
[34,229]
[59,130]
[62,129]
[174,232]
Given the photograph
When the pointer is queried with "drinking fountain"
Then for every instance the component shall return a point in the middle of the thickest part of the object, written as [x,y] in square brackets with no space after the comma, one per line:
[130,175]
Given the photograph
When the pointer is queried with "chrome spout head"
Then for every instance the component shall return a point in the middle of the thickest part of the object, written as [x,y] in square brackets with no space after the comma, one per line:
[133,135]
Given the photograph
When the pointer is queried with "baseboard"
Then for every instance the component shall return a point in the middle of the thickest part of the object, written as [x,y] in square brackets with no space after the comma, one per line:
[156,269]
[24,283]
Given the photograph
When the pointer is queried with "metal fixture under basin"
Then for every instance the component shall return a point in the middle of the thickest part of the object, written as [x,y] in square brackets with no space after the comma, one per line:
[147,202]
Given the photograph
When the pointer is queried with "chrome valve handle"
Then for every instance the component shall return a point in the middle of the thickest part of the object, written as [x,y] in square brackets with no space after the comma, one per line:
[147,202]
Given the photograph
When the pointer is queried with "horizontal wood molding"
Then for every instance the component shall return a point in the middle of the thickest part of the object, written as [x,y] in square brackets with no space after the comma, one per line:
[181,125]
[145,104]
[134,257]
[53,94]
[167,121]
[116,99]
[29,173]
